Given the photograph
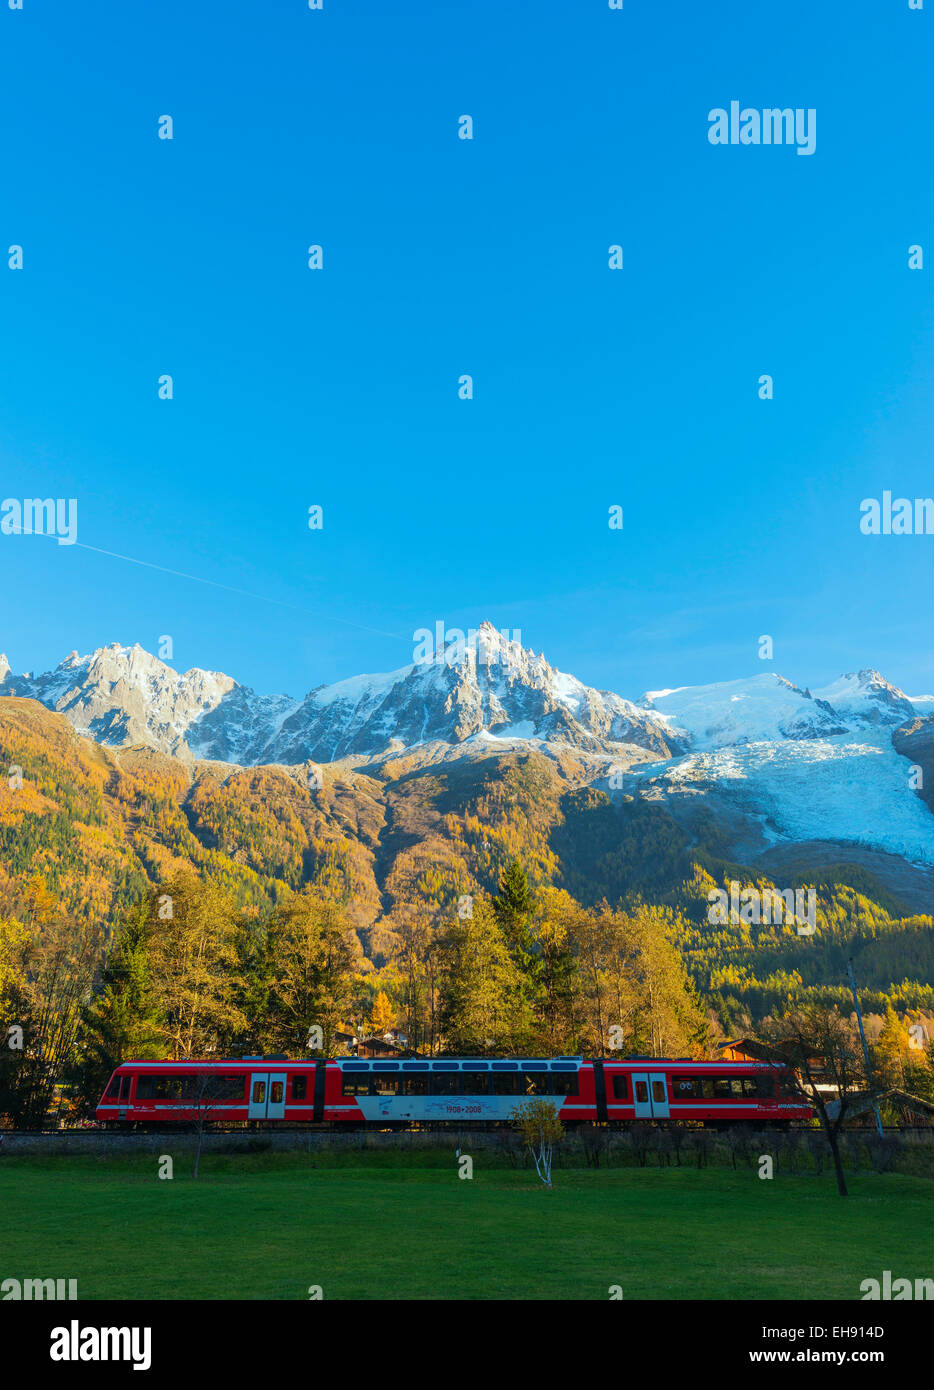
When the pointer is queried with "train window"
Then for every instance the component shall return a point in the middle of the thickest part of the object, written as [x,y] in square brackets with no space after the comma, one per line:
[299,1087]
[726,1088]
[444,1083]
[642,1092]
[416,1085]
[532,1084]
[355,1083]
[620,1089]
[764,1084]
[158,1088]
[125,1084]
[259,1092]
[475,1083]
[113,1089]
[505,1083]
[277,1092]
[564,1079]
[658,1091]
[686,1087]
[227,1088]
[385,1084]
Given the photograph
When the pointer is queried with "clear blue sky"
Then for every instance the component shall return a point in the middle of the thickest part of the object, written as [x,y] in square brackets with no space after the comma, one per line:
[488,257]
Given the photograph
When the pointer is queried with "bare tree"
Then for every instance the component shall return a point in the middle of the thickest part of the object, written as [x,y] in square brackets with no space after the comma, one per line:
[205,1093]
[825,1068]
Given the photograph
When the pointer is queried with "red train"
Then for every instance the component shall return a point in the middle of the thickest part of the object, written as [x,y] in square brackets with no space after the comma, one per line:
[448,1090]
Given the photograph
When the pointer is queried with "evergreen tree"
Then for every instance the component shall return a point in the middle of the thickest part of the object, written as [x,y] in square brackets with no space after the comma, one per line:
[253,975]
[123,1018]
[311,982]
[514,908]
[483,1003]
[515,905]
[556,1012]
[192,958]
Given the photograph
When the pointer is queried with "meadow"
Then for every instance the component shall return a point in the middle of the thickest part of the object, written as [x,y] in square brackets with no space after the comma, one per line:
[390,1226]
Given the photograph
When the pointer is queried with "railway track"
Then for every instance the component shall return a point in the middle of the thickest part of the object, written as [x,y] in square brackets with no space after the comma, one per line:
[450,1128]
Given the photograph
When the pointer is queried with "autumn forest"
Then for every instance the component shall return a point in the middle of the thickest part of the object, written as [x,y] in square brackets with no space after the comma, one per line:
[153,907]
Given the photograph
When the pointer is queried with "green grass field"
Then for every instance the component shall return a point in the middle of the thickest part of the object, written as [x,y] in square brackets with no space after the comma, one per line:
[268,1226]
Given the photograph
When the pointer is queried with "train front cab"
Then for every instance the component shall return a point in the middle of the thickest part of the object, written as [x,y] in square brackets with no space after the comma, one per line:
[116,1100]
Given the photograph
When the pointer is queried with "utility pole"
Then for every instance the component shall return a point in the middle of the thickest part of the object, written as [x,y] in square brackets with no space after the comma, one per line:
[859,1020]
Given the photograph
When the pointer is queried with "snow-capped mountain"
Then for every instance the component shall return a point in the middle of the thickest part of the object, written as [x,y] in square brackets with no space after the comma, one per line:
[488,688]
[765,759]
[850,787]
[123,695]
[773,762]
[866,697]
[744,711]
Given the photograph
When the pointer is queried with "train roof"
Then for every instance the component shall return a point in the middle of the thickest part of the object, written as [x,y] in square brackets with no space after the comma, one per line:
[561,1063]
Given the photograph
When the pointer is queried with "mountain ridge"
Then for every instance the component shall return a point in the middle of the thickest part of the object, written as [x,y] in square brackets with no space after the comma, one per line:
[491,688]
[767,761]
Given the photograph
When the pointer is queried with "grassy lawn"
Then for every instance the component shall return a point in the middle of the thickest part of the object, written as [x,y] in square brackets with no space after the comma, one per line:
[267,1227]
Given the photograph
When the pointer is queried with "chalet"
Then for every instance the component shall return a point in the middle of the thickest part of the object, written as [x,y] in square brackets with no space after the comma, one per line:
[392,1043]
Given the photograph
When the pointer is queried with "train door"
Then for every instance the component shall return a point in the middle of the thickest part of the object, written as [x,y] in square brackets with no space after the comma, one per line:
[259,1090]
[650,1094]
[640,1095]
[275,1096]
[658,1085]
[267,1096]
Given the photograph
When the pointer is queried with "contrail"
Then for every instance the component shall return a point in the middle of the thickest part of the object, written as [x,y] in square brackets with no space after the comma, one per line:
[215,584]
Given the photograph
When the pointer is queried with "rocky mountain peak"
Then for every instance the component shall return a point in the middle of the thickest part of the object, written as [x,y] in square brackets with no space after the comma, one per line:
[865,697]
[482,688]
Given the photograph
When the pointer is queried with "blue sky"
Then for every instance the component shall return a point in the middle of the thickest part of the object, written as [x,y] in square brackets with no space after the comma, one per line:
[488,257]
